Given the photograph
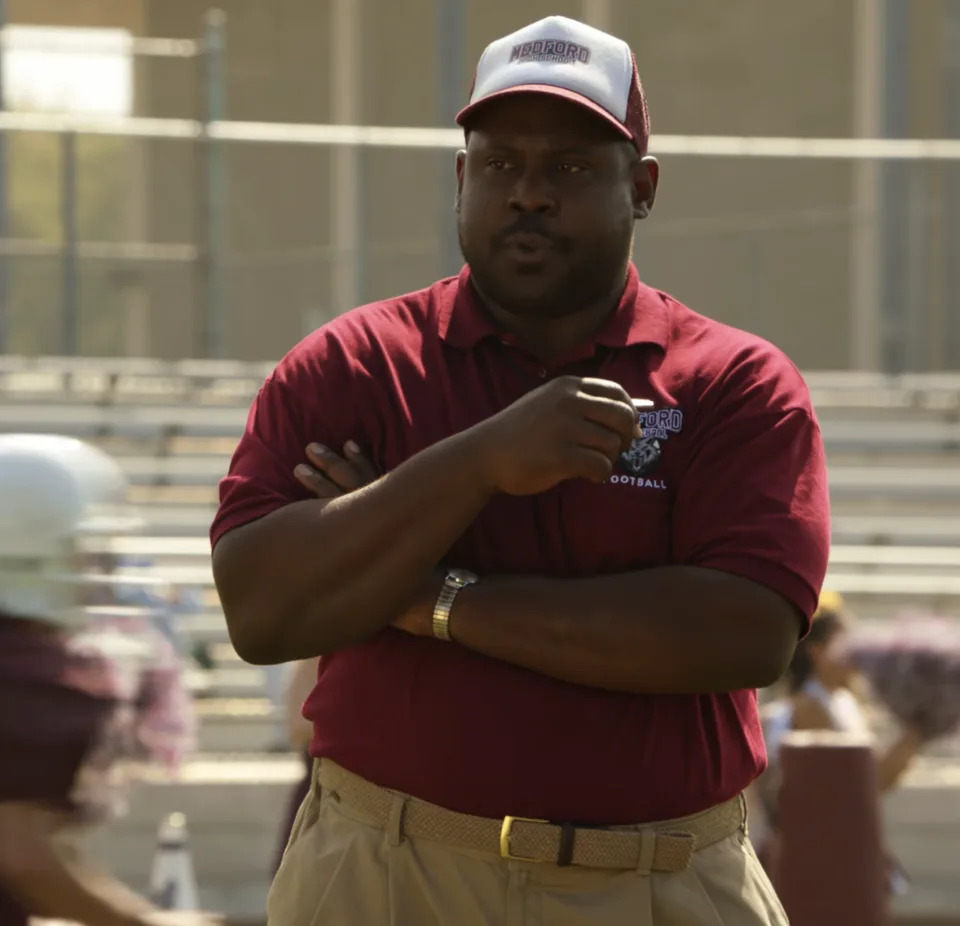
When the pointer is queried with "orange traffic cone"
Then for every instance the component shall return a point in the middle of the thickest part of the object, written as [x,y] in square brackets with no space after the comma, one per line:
[173,885]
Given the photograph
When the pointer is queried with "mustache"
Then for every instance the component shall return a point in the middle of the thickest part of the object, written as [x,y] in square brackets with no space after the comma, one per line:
[528,224]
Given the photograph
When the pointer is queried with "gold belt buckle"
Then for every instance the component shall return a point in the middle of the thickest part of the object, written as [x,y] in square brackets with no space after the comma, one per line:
[505,831]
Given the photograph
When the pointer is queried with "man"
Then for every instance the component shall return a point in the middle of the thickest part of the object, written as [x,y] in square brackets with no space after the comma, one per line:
[63,730]
[514,626]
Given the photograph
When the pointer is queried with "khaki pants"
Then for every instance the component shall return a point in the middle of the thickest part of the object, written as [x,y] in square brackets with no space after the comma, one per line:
[340,869]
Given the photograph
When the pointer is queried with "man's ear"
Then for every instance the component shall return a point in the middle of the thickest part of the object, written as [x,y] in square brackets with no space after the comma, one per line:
[646,178]
[461,161]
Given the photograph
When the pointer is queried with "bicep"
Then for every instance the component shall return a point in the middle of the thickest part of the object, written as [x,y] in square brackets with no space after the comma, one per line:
[261,541]
[759,624]
[242,553]
[788,621]
[259,569]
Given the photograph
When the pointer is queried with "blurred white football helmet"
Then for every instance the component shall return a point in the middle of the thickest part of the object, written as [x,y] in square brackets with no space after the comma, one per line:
[55,492]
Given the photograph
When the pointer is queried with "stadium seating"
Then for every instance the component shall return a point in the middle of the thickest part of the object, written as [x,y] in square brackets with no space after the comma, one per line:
[893,447]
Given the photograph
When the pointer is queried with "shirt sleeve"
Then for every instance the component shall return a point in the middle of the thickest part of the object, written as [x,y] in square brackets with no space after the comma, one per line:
[295,406]
[754,500]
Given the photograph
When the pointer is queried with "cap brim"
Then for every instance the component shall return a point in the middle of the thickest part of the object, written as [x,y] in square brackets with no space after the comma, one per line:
[546,90]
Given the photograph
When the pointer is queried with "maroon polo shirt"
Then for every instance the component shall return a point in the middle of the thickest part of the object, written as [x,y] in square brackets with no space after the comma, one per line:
[729,475]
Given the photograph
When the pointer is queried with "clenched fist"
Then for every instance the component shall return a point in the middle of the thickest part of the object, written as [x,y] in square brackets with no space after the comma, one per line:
[569,428]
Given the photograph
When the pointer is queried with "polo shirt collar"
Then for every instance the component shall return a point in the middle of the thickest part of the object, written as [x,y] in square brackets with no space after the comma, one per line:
[642,317]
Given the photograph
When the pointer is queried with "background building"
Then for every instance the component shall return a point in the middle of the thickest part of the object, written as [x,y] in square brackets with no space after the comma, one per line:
[840,262]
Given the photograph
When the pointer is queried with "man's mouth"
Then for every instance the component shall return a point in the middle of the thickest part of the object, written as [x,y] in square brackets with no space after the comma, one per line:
[527,243]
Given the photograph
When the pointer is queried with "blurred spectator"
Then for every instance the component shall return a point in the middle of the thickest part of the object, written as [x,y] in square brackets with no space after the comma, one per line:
[83,693]
[164,603]
[912,665]
[824,692]
[276,679]
[162,724]
[301,679]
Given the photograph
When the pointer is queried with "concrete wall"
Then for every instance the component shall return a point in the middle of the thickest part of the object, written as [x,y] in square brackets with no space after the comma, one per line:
[759,244]
[765,245]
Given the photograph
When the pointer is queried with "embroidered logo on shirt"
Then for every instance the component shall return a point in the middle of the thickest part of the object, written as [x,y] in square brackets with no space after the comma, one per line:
[645,454]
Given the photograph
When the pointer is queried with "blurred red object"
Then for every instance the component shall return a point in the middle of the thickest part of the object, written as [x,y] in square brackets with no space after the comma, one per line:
[831,868]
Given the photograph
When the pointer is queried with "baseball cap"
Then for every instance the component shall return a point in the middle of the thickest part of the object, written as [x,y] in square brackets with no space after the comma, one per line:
[565,58]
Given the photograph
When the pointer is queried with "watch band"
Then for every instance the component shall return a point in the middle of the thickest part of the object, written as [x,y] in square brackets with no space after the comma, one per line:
[455,580]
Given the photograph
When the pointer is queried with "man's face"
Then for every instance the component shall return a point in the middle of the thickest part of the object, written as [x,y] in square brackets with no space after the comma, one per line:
[547,197]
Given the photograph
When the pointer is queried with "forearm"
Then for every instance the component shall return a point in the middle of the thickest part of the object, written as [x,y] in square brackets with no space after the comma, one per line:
[897,759]
[668,630]
[52,886]
[316,576]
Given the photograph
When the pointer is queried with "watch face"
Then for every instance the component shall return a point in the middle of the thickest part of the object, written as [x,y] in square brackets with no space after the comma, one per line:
[462,576]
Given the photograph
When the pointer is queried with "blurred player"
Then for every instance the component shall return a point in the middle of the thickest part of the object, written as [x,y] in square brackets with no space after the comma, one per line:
[301,678]
[79,694]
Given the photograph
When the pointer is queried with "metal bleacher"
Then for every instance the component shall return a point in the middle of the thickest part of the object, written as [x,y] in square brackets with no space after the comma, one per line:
[893,448]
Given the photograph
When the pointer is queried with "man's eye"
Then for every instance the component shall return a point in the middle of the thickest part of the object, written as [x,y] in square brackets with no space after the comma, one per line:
[497,164]
[567,167]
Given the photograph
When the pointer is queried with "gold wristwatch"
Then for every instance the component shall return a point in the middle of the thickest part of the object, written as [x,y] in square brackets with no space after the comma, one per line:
[454,581]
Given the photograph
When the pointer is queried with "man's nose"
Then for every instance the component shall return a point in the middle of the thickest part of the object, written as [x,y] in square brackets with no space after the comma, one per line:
[533,193]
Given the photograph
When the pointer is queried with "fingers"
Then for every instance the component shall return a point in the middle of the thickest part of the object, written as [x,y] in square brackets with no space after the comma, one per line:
[605,402]
[315,482]
[595,436]
[328,474]
[605,388]
[613,415]
[347,472]
[590,464]
[364,466]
